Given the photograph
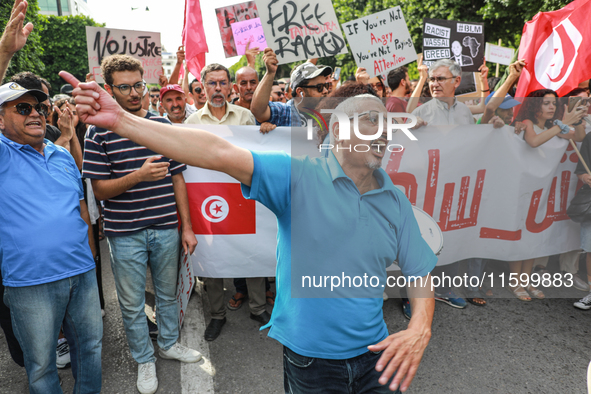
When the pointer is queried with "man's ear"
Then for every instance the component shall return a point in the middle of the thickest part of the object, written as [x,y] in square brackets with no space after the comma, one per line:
[458,81]
[235,87]
[1,122]
[335,132]
[109,89]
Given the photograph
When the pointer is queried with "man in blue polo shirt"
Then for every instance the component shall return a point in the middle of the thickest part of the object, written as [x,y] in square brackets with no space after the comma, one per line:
[142,192]
[349,219]
[47,265]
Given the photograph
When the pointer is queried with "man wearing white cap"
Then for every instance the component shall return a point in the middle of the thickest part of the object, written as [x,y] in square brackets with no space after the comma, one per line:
[53,282]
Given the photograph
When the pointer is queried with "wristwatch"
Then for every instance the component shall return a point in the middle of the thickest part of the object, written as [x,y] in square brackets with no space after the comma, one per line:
[564,129]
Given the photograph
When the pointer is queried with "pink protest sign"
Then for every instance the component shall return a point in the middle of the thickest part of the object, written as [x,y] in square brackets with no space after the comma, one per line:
[248,31]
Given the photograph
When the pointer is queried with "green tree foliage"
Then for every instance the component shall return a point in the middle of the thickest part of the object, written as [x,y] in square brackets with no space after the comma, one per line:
[64,41]
[29,58]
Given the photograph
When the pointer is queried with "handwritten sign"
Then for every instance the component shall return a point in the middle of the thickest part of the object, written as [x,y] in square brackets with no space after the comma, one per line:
[301,29]
[248,31]
[462,42]
[499,54]
[380,42]
[144,46]
[184,286]
[228,16]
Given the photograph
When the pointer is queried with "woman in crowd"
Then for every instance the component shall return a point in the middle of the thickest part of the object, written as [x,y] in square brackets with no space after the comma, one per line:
[544,119]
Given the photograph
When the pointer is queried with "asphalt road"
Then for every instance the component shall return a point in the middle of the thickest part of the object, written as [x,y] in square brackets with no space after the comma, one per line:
[508,346]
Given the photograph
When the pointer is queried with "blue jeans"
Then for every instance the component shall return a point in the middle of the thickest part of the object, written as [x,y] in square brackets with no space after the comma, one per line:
[306,375]
[130,256]
[37,312]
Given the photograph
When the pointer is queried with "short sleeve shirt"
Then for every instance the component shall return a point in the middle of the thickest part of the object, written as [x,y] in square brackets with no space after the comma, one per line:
[42,236]
[333,230]
[436,112]
[235,115]
[107,155]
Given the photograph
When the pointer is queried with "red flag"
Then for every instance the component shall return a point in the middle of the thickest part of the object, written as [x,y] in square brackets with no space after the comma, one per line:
[194,38]
[557,48]
[220,208]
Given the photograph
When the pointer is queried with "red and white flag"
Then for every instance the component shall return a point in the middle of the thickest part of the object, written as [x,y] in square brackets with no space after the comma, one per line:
[219,208]
[194,38]
[557,48]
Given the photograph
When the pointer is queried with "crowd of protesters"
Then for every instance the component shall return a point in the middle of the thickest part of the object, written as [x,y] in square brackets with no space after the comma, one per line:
[95,184]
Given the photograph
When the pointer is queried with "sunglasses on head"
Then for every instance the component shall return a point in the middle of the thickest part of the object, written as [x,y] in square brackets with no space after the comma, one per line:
[320,86]
[25,109]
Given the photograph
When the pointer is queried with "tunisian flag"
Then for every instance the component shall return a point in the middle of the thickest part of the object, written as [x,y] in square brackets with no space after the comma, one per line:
[220,208]
[557,48]
[194,38]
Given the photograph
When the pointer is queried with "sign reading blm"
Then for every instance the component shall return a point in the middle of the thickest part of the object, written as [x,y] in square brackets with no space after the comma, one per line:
[145,46]
[301,29]
[462,42]
[380,42]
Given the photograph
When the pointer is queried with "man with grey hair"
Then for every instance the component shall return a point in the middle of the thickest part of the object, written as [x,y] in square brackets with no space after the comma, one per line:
[444,77]
[216,81]
[350,218]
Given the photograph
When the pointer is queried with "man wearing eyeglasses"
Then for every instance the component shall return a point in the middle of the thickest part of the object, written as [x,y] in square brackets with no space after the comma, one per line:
[307,80]
[142,192]
[277,93]
[444,77]
[53,282]
[154,97]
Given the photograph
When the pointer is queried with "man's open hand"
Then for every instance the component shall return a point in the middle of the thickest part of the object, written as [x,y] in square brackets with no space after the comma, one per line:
[15,35]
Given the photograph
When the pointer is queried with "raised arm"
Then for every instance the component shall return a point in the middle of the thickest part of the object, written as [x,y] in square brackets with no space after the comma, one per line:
[500,93]
[482,77]
[14,36]
[260,99]
[180,58]
[569,118]
[413,102]
[197,148]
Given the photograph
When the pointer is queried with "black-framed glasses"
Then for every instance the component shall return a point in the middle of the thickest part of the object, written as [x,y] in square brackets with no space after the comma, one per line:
[25,109]
[126,89]
[439,79]
[319,87]
[155,95]
[198,90]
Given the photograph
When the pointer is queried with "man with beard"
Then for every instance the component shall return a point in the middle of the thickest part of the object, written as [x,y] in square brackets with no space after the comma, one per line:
[172,98]
[142,192]
[246,83]
[400,85]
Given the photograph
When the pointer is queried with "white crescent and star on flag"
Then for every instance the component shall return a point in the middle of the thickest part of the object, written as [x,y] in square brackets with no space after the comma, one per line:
[215,209]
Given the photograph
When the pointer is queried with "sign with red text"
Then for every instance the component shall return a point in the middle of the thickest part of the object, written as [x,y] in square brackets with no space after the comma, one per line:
[462,42]
[229,15]
[249,31]
[498,54]
[380,42]
[492,195]
[145,46]
[301,29]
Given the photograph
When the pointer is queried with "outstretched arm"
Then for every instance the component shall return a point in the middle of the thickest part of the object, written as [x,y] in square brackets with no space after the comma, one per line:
[260,99]
[14,36]
[197,148]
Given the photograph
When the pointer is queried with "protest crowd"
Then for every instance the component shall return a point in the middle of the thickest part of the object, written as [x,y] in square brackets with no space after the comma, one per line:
[105,164]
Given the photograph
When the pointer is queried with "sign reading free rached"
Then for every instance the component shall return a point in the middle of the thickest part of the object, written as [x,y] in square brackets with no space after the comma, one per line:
[145,46]
[380,42]
[301,29]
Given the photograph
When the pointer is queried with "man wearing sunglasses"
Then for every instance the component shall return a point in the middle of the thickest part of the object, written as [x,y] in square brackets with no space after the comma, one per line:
[198,93]
[277,93]
[142,192]
[154,97]
[307,80]
[53,282]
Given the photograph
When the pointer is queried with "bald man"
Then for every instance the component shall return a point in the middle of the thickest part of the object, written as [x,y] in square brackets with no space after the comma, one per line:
[247,81]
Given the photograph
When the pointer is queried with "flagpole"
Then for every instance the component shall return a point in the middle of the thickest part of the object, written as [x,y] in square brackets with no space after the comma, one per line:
[580,157]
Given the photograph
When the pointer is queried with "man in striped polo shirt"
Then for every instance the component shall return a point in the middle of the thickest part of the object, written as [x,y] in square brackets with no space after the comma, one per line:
[142,192]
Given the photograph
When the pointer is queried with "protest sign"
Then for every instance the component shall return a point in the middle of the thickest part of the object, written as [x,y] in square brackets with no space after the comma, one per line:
[249,31]
[142,45]
[498,54]
[300,29]
[380,42]
[462,42]
[229,15]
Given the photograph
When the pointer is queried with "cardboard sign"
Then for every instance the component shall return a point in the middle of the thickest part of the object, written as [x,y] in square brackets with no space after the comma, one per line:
[380,42]
[248,31]
[462,42]
[184,286]
[144,46]
[499,54]
[227,16]
[300,29]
